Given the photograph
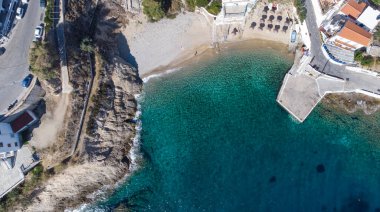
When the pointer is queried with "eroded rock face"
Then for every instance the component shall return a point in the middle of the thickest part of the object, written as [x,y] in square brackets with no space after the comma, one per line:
[104,155]
[115,126]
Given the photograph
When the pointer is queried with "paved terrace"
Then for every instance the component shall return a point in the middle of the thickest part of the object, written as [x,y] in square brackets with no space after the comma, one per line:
[304,87]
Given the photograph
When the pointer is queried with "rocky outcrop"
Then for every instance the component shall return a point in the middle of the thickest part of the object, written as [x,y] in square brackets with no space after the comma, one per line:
[104,156]
[353,102]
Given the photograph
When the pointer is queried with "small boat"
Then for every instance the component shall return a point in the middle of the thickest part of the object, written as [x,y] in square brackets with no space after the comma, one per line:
[293,36]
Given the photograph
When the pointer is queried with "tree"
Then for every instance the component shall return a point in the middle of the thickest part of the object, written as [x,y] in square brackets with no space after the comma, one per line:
[86,45]
[367,60]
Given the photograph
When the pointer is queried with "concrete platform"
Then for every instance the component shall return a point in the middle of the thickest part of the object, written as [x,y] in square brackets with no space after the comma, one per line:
[303,89]
[299,95]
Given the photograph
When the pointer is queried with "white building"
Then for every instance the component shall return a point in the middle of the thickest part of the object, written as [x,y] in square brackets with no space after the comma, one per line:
[9,141]
[351,37]
[370,18]
[234,11]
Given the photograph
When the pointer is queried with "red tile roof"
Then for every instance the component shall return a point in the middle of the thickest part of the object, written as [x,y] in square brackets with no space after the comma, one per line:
[353,9]
[21,122]
[353,32]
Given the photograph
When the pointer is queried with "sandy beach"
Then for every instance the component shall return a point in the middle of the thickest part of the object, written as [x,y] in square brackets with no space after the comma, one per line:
[158,44]
[168,43]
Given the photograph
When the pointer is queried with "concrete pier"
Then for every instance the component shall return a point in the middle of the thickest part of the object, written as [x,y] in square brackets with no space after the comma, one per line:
[304,87]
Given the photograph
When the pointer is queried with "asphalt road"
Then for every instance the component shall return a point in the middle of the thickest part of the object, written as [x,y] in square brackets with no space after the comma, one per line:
[355,80]
[14,62]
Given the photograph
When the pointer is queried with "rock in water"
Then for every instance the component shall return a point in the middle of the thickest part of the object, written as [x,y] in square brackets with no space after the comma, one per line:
[320,168]
[272,179]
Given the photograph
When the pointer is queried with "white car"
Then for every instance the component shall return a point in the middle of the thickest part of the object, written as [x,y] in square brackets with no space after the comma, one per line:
[38,33]
[19,13]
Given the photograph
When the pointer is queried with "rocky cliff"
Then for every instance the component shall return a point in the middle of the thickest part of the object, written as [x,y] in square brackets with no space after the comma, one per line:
[102,157]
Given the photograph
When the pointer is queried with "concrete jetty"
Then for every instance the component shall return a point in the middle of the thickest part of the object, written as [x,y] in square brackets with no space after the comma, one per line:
[304,87]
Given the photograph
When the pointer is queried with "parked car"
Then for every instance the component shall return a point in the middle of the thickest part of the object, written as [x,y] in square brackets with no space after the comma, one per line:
[293,36]
[2,50]
[19,13]
[12,105]
[26,81]
[38,32]
[42,3]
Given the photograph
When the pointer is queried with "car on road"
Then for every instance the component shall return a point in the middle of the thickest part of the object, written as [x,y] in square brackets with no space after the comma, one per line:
[12,105]
[38,32]
[293,36]
[2,50]
[26,81]
[19,13]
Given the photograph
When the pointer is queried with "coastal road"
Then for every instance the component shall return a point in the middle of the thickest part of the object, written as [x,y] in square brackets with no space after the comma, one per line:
[354,80]
[14,64]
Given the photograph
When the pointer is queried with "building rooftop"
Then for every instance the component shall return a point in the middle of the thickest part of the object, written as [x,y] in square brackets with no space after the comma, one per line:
[9,141]
[353,32]
[370,18]
[353,8]
[11,177]
[19,123]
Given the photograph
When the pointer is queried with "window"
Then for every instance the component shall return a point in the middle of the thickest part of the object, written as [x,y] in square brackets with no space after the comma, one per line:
[16,144]
[1,144]
[9,145]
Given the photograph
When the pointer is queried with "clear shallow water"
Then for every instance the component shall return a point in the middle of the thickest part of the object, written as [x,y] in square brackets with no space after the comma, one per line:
[214,139]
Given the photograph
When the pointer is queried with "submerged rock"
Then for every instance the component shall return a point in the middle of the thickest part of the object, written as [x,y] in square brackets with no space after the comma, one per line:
[272,179]
[320,168]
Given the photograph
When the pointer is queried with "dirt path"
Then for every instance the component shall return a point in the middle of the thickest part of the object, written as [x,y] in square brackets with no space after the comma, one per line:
[51,123]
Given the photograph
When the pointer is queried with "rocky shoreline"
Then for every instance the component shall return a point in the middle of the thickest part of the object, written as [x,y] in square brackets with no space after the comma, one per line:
[353,102]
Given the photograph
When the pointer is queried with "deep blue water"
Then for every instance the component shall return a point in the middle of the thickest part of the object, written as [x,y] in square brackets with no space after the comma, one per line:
[214,139]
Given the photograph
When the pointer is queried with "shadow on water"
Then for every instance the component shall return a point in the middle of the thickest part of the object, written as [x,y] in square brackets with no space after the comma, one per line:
[355,204]
[125,52]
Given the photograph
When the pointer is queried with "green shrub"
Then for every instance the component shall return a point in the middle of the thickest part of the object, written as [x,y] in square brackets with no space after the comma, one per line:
[214,8]
[376,2]
[153,10]
[191,5]
[202,3]
[376,34]
[364,60]
[358,56]
[301,9]
[37,171]
[86,45]
[44,61]
[48,14]
[367,60]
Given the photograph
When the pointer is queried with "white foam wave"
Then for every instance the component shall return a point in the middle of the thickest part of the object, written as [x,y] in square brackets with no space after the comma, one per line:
[135,154]
[146,79]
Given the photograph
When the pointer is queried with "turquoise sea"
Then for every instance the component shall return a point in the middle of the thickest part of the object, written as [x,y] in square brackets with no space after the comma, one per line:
[214,139]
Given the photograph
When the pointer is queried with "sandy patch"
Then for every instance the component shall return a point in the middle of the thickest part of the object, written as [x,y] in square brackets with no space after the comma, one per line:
[51,123]
[158,44]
